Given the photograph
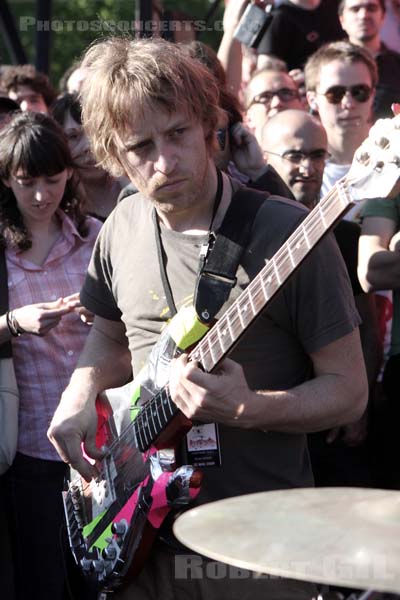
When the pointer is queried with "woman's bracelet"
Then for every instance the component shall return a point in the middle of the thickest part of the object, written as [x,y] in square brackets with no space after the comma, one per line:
[13,325]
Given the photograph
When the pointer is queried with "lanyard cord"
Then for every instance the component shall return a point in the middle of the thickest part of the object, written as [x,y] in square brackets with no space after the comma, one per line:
[161,255]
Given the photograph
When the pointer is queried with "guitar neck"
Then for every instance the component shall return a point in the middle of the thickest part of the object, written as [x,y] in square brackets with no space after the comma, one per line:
[224,335]
[160,410]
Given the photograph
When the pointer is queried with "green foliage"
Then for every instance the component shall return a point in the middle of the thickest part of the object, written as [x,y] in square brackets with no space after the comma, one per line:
[75,24]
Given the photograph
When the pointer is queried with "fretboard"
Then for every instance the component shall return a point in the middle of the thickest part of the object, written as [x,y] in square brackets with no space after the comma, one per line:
[223,336]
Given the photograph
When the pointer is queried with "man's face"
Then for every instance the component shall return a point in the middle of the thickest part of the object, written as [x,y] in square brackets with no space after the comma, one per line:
[302,158]
[362,20]
[28,99]
[349,115]
[166,157]
[263,100]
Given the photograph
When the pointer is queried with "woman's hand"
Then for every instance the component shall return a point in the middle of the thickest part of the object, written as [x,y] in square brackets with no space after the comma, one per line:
[39,319]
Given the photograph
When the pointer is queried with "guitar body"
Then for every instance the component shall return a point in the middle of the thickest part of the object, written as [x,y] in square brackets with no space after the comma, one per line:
[113,520]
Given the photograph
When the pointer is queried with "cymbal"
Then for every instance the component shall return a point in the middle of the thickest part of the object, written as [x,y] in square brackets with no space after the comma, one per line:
[342,536]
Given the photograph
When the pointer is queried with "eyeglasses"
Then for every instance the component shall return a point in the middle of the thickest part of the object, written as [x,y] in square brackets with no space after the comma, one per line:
[284,95]
[335,94]
[296,157]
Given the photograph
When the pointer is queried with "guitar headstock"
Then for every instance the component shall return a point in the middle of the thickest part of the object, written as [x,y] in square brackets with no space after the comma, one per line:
[376,165]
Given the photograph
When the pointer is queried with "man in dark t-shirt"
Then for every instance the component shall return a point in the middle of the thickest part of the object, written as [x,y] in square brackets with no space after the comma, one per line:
[153,112]
[299,28]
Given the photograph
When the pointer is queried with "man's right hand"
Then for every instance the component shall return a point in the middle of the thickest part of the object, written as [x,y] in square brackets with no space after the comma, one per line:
[74,423]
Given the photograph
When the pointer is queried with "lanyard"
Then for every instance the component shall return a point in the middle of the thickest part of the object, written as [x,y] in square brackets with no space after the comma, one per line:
[161,252]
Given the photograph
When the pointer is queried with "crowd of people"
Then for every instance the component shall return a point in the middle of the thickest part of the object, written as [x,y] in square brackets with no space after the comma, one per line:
[112,190]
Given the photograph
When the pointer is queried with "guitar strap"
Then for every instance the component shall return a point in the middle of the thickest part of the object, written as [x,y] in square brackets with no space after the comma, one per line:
[217,270]
[5,349]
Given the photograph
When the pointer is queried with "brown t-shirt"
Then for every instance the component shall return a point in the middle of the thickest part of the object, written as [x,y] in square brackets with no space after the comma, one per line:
[314,309]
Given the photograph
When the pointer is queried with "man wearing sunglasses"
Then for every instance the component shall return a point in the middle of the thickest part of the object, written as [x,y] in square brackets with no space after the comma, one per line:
[269,91]
[362,20]
[340,81]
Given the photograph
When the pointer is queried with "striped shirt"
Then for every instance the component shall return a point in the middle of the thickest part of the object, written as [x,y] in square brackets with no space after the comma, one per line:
[43,365]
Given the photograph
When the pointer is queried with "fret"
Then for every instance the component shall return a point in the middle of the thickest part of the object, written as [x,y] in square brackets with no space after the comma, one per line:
[251,302]
[142,430]
[162,406]
[239,313]
[138,433]
[264,289]
[210,349]
[150,410]
[307,241]
[146,426]
[220,336]
[227,318]
[157,414]
[291,257]
[245,306]
[321,214]
[276,272]
[168,401]
[201,353]
[342,193]
[226,327]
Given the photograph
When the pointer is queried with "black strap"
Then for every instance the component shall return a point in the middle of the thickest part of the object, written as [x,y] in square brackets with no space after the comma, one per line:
[162,258]
[5,349]
[218,274]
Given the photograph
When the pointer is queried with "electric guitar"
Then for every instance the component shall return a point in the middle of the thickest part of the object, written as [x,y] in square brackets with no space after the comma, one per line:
[113,520]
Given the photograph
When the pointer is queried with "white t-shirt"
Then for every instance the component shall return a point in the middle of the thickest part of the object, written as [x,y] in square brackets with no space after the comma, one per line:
[332,173]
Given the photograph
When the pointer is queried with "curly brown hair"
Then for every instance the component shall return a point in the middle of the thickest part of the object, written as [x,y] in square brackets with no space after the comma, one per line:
[36,145]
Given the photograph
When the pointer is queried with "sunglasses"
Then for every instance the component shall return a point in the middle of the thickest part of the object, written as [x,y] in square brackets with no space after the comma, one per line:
[284,95]
[336,93]
[297,157]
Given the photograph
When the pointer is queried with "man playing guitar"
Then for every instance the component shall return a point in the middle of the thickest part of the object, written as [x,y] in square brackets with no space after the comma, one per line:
[152,112]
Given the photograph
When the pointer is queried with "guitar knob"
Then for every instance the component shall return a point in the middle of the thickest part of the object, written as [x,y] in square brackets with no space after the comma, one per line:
[379,166]
[119,528]
[362,157]
[85,564]
[109,553]
[98,566]
[383,142]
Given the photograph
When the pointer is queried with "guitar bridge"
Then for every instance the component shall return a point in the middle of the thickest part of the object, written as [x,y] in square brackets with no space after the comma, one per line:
[102,488]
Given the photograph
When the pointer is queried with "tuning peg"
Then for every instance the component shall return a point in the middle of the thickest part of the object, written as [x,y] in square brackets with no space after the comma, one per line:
[382,142]
[378,166]
[362,156]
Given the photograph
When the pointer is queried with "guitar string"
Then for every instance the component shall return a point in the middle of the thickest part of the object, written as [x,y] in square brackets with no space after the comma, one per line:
[312,222]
